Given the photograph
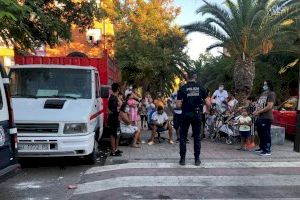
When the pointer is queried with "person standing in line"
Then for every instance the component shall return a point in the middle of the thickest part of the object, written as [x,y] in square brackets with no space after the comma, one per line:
[250,106]
[232,102]
[244,123]
[150,109]
[190,99]
[133,109]
[220,96]
[177,113]
[264,118]
[143,113]
[113,119]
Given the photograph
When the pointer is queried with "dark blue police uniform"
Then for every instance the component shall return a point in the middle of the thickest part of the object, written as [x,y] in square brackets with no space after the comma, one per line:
[192,96]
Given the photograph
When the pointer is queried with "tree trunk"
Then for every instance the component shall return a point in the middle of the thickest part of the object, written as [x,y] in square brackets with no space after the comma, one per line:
[243,76]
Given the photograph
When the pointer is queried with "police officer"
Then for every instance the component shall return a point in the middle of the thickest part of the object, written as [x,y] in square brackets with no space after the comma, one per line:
[190,99]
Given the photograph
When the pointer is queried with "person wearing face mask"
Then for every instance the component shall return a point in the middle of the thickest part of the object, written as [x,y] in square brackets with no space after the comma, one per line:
[160,122]
[220,96]
[128,130]
[264,119]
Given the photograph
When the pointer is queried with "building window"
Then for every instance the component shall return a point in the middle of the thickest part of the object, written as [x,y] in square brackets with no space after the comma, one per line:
[93,37]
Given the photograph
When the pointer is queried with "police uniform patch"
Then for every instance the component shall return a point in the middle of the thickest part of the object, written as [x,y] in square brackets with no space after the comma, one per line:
[2,136]
[193,91]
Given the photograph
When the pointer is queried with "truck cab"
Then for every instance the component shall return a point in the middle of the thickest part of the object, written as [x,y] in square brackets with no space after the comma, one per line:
[58,110]
[7,131]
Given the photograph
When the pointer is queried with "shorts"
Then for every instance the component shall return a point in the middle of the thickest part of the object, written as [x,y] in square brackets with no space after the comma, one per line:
[245,134]
[128,130]
[177,121]
[113,125]
[144,118]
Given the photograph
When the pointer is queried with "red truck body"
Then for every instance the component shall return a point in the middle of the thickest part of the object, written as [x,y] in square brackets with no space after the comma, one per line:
[109,72]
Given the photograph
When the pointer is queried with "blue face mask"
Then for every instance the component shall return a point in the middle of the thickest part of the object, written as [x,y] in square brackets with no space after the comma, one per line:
[265,88]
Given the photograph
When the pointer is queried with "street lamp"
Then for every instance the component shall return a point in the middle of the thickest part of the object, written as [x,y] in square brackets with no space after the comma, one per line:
[297,137]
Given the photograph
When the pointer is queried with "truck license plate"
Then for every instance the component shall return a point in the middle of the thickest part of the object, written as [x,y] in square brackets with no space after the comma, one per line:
[33,147]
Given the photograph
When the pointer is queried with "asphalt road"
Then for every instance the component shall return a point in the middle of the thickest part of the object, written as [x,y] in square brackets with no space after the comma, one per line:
[112,178]
[46,178]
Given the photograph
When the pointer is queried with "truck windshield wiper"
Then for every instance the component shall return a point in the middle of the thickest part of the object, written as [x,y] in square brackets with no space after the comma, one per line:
[60,96]
[24,96]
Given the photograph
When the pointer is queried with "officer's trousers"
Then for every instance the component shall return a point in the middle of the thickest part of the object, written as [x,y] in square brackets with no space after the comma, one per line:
[188,119]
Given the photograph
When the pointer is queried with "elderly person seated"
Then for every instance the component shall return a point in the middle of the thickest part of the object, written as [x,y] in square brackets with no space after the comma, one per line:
[160,123]
[126,128]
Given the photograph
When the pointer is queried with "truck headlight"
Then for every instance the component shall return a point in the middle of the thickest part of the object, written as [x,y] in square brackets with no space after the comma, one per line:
[73,128]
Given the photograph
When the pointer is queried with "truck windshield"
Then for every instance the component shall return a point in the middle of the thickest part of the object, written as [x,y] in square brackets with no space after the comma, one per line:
[51,82]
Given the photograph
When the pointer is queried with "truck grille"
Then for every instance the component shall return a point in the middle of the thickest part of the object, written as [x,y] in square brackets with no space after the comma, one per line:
[37,128]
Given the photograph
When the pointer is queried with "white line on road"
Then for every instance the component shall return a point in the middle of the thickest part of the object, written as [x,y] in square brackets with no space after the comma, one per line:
[189,181]
[205,165]
[242,199]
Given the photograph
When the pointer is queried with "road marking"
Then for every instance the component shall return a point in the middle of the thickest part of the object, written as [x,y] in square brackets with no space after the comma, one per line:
[205,165]
[187,181]
[243,199]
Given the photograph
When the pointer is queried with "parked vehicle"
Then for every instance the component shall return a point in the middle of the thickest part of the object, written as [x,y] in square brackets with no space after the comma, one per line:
[8,133]
[59,106]
[286,115]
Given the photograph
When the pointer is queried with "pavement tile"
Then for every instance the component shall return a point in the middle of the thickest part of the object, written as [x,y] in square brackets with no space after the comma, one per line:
[217,150]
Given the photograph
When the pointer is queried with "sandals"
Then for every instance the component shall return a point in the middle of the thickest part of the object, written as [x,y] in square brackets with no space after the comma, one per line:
[135,146]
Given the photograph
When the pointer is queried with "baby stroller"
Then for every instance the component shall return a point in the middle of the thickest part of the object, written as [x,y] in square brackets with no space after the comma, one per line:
[224,126]
[228,129]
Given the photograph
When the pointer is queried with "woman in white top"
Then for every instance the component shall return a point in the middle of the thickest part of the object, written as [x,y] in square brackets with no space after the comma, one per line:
[127,128]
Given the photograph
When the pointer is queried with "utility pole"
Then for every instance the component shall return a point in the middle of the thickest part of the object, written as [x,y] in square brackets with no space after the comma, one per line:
[297,137]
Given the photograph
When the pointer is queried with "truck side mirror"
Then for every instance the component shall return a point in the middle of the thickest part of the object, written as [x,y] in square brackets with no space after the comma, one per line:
[104,91]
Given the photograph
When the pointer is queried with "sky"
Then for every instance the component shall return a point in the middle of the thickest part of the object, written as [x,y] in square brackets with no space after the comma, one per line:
[197,42]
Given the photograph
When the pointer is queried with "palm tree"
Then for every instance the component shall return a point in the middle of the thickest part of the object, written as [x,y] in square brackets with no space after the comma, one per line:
[246,29]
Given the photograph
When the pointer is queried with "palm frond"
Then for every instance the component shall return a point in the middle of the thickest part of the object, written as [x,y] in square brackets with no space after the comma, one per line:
[207,29]
[215,45]
[223,16]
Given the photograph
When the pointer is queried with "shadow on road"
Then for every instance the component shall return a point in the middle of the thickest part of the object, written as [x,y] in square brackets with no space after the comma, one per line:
[63,162]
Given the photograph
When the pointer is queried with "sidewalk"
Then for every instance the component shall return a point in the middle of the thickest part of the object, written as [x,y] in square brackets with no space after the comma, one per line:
[210,151]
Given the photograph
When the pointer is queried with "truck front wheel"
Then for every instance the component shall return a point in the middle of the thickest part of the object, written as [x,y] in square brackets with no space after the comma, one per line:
[92,157]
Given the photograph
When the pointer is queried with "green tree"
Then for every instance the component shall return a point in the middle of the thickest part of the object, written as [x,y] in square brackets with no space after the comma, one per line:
[246,29]
[149,48]
[212,71]
[29,23]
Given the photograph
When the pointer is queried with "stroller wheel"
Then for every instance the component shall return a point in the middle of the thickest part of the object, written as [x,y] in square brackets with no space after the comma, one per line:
[229,141]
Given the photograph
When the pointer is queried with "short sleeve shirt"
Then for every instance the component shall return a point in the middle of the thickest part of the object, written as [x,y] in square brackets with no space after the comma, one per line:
[262,103]
[113,104]
[192,95]
[173,99]
[159,118]
[245,120]
[220,96]
[113,117]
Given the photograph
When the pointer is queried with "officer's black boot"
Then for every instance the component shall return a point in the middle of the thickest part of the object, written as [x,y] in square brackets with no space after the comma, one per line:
[182,161]
[197,161]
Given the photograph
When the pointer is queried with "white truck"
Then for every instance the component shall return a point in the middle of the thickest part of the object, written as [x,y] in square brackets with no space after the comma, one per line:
[8,133]
[58,110]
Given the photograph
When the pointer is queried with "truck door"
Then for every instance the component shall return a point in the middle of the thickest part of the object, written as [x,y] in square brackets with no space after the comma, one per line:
[99,104]
[6,146]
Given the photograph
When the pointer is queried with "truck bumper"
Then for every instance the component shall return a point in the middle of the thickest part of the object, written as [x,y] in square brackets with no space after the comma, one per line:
[55,146]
